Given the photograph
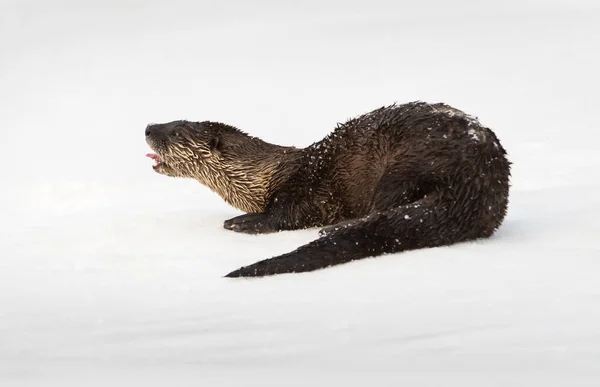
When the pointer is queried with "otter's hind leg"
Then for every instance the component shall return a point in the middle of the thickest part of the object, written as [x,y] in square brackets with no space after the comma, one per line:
[397,187]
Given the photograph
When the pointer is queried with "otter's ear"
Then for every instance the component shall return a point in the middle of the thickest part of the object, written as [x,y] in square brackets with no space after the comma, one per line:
[214,144]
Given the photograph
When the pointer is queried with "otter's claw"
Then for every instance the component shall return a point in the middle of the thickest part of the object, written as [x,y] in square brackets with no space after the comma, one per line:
[249,224]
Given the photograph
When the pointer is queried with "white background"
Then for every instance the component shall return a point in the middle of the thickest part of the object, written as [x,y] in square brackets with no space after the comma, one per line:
[111,274]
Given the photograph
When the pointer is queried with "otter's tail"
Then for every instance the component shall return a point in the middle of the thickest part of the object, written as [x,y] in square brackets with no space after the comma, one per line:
[403,228]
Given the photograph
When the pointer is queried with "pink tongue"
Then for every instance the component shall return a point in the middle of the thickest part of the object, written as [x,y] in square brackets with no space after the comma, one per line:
[153,156]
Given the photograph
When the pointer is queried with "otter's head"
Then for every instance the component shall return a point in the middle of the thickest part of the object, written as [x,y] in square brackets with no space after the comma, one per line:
[182,147]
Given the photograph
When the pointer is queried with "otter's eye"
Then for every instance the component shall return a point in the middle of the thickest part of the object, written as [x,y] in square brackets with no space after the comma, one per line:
[175,134]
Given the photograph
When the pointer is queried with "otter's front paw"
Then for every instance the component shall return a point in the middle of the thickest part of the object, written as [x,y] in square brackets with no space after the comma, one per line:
[250,224]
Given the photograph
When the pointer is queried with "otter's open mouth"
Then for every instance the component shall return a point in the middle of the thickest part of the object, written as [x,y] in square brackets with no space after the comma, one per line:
[157,160]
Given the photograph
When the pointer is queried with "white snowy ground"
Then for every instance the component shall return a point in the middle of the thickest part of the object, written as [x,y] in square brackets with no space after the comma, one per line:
[112,275]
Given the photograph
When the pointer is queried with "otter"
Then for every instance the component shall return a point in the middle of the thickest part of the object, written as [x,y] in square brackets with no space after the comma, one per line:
[401,177]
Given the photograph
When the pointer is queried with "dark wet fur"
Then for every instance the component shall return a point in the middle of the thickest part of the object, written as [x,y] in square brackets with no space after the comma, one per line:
[402,177]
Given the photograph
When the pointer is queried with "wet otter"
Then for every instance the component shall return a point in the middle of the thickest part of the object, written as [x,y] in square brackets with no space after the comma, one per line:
[401,177]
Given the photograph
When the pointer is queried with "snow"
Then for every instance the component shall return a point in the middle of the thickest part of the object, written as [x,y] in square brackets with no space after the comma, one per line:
[112,275]
[474,135]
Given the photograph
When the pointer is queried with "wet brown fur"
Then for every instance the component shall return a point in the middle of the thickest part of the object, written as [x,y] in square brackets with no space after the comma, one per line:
[398,178]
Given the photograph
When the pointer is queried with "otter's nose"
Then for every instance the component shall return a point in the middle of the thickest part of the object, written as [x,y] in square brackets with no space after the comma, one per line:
[148,130]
